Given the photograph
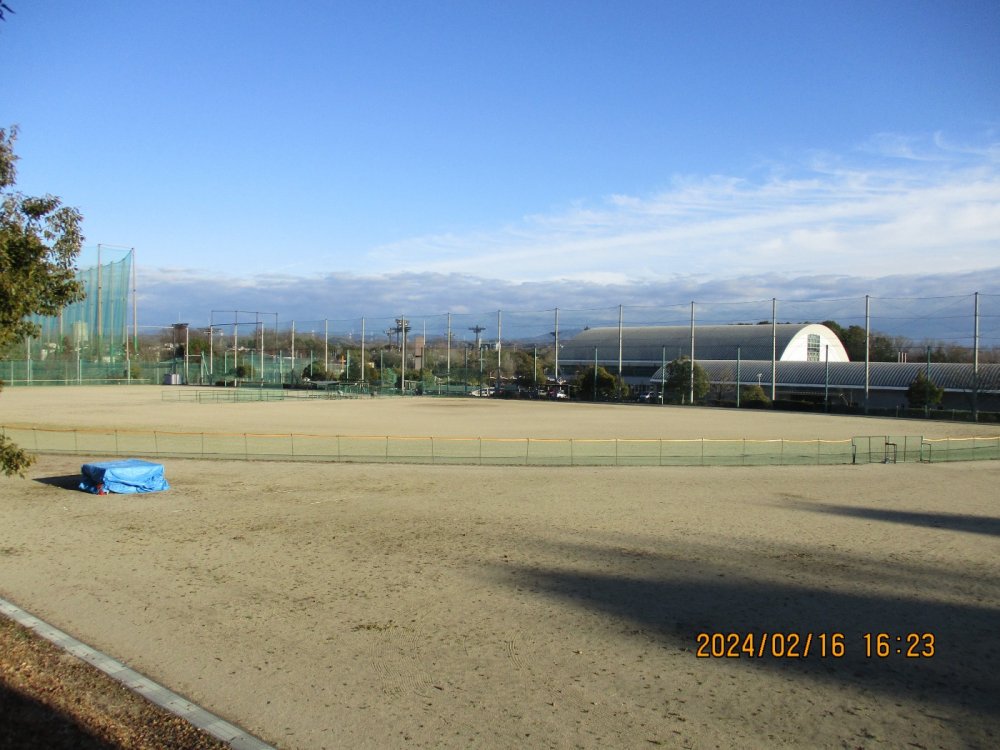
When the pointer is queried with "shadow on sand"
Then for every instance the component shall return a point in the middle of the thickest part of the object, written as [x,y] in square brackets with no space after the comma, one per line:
[66,482]
[987,525]
[675,592]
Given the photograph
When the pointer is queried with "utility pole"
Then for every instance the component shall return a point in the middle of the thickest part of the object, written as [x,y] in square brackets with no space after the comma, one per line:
[975,362]
[691,389]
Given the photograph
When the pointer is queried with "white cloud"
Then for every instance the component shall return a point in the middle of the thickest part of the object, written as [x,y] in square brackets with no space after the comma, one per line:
[909,304]
[914,205]
[909,218]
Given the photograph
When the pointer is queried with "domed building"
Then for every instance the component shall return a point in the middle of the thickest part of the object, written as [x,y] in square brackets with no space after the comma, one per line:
[643,350]
[803,361]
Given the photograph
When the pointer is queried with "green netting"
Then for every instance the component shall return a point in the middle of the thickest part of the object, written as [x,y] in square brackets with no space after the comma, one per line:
[98,324]
[507,451]
[961,449]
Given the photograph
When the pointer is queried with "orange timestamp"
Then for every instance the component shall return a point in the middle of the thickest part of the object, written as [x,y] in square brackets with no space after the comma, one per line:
[908,645]
[795,645]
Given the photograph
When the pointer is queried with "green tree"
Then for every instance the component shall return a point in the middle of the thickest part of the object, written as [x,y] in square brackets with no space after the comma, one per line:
[923,392]
[198,343]
[881,347]
[528,368]
[852,337]
[352,366]
[608,386]
[315,371]
[678,381]
[754,394]
[40,240]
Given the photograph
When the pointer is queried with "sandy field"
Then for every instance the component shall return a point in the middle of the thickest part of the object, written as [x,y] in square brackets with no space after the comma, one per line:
[339,605]
[156,407]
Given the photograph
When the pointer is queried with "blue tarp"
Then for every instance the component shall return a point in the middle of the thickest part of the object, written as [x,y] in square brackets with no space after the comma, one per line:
[123,477]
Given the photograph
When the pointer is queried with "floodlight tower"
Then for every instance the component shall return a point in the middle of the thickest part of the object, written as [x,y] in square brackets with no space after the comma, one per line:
[478,329]
[401,328]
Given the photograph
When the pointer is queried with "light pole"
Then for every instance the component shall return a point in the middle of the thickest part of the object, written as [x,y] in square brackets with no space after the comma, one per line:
[595,374]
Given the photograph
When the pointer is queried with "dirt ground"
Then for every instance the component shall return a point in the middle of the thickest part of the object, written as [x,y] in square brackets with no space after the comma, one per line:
[326,605]
[50,699]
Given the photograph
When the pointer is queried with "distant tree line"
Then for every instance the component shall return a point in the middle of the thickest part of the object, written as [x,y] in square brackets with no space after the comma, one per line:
[886,348]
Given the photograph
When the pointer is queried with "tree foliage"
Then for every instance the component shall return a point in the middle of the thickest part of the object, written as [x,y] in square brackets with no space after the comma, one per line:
[923,392]
[352,366]
[881,347]
[529,369]
[40,240]
[677,383]
[754,394]
[609,387]
[314,371]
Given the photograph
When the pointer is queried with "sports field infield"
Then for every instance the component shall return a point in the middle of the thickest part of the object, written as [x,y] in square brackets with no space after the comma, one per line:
[355,605]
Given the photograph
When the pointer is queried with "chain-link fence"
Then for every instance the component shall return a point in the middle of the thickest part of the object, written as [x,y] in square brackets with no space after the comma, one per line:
[503,451]
[483,352]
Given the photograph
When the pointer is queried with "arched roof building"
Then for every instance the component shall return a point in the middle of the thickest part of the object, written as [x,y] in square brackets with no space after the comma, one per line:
[845,381]
[809,361]
[648,346]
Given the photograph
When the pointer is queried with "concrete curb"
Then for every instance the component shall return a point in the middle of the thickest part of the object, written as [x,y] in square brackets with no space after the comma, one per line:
[231,734]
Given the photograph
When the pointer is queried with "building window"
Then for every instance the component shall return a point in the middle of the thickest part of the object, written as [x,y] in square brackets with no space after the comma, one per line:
[812,353]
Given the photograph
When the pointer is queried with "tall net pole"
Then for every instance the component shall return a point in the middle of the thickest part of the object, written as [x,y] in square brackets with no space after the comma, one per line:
[774,348]
[402,368]
[691,379]
[556,334]
[975,360]
[618,385]
[135,310]
[99,304]
[498,351]
[867,348]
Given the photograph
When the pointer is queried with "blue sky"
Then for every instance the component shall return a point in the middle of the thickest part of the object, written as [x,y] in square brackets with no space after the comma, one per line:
[347,158]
